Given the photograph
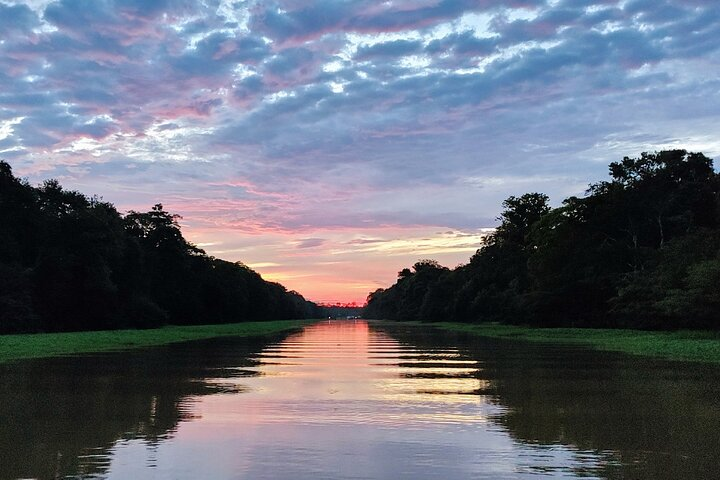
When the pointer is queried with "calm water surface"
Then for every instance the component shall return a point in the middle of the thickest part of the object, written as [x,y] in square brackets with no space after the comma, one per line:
[352,400]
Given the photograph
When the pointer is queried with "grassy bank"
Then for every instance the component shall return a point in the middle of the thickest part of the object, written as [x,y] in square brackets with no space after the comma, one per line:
[700,346]
[14,347]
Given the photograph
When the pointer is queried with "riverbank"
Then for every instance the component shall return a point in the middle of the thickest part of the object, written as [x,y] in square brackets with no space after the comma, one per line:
[696,346]
[38,345]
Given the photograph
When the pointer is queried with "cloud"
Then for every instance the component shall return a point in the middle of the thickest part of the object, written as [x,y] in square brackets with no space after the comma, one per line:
[310,242]
[297,118]
[395,48]
[304,21]
[17,19]
[366,241]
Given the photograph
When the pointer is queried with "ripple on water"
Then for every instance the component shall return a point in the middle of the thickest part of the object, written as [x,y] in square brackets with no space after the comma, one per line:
[346,400]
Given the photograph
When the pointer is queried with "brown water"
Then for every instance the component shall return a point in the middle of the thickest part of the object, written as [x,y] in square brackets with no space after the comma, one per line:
[352,400]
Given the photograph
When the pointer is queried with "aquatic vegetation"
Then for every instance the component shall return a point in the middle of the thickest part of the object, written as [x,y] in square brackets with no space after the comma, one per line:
[14,347]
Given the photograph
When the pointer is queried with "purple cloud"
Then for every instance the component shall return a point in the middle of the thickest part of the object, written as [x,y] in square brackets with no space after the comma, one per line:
[310,242]
[349,114]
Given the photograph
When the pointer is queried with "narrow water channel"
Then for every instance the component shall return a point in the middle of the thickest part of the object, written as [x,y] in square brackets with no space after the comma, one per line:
[352,400]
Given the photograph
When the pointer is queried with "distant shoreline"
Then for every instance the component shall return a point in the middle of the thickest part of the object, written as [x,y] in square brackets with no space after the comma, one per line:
[41,345]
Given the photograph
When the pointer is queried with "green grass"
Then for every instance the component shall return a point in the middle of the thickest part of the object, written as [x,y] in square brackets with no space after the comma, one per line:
[699,346]
[14,347]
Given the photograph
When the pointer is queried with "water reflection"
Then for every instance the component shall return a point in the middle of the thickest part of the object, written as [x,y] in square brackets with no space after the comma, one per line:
[351,400]
[62,416]
[342,400]
[639,418]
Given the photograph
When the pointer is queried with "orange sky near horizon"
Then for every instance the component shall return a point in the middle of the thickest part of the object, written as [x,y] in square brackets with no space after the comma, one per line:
[337,265]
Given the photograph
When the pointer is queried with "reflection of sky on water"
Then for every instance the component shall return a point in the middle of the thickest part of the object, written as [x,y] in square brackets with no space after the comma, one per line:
[341,400]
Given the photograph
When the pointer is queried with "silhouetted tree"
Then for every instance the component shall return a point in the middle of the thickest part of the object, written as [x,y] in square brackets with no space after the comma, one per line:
[70,262]
[640,250]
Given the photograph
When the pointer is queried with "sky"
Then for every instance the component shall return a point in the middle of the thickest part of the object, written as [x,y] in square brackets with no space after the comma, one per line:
[328,144]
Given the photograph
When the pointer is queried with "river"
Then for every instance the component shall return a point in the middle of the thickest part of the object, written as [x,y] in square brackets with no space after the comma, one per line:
[358,400]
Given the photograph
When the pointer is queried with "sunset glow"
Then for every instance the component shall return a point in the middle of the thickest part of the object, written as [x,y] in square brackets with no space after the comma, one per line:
[330,144]
[362,363]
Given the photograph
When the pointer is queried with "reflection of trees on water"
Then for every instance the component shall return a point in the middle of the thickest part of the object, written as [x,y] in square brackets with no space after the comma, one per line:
[652,419]
[63,416]
[644,418]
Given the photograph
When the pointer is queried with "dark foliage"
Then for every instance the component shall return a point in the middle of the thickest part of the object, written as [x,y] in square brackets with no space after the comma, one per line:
[69,262]
[641,250]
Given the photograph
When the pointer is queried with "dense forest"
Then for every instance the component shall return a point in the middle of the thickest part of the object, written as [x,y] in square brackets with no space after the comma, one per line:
[640,250]
[70,262]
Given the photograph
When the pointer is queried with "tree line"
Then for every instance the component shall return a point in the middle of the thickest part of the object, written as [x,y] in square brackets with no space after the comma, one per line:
[640,250]
[72,262]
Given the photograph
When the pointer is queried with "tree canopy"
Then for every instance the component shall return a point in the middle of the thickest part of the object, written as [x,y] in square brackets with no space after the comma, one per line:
[72,262]
[641,249]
